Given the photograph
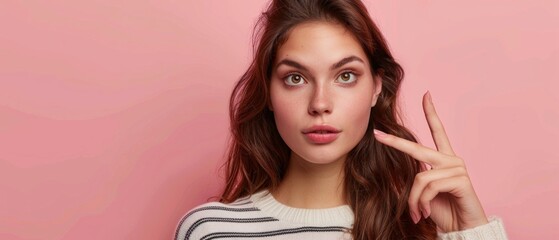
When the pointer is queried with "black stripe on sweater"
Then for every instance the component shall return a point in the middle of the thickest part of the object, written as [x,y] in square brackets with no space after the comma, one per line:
[240,203]
[251,209]
[229,220]
[271,233]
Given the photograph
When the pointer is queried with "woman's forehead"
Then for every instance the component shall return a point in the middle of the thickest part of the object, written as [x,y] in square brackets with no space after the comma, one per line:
[319,42]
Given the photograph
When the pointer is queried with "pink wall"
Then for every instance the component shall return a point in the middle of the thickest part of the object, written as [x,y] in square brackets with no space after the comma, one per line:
[113,115]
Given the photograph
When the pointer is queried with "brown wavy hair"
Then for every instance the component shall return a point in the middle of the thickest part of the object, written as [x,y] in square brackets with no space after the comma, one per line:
[378,178]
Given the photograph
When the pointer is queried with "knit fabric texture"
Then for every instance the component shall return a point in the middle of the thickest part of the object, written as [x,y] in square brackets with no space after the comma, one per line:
[261,216]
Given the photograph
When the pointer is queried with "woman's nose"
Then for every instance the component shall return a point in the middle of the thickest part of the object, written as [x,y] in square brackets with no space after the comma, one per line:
[320,102]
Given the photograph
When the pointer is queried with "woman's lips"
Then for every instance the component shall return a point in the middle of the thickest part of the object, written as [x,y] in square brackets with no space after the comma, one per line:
[322,137]
[321,134]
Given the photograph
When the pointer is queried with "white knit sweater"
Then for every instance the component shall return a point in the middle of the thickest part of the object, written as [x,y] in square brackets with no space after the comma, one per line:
[260,216]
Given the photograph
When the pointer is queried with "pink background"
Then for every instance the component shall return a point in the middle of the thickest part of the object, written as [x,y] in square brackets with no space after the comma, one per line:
[113,114]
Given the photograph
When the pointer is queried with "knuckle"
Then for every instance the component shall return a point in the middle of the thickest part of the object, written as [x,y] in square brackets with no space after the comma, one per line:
[424,200]
[459,160]
[465,178]
[432,186]
[460,171]
[420,178]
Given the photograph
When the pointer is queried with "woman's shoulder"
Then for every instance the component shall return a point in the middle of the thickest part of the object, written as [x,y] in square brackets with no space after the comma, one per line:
[215,216]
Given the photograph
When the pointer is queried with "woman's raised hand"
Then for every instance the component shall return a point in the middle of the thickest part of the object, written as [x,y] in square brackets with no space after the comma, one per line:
[445,192]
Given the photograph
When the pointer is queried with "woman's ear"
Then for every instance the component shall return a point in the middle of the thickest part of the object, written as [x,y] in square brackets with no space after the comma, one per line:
[377,79]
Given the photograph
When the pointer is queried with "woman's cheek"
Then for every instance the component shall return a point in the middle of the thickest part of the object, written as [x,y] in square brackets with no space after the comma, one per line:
[360,121]
[286,121]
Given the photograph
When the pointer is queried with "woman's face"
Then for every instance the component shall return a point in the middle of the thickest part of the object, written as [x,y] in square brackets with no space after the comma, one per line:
[321,76]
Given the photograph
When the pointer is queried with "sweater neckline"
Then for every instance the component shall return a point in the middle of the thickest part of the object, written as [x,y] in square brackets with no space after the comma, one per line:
[334,216]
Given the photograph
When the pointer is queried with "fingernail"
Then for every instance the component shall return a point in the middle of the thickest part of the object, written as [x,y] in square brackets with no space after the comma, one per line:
[414,217]
[424,212]
[429,97]
[379,133]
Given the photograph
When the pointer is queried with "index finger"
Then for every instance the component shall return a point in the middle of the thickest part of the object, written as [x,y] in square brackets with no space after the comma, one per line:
[416,150]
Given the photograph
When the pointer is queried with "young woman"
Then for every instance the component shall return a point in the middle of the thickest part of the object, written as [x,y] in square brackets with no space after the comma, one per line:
[318,150]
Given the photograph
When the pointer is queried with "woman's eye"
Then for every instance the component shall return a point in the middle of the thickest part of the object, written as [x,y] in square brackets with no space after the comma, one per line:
[347,77]
[294,79]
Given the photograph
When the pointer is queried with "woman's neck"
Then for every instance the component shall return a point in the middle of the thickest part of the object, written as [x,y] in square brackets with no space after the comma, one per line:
[310,185]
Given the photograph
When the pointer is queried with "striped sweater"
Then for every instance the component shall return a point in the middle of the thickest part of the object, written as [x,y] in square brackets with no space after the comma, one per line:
[260,216]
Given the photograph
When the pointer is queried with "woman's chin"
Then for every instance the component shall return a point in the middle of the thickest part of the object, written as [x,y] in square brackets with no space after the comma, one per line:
[324,158]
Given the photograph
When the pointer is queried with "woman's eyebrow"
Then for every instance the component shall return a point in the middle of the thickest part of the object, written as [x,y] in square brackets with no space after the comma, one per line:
[334,66]
[346,61]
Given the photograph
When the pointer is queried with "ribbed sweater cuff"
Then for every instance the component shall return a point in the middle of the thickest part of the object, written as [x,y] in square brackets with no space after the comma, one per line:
[494,230]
